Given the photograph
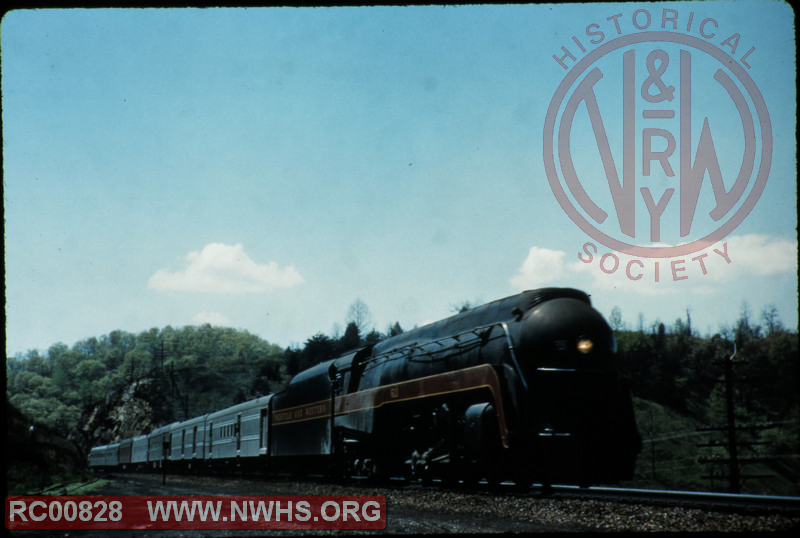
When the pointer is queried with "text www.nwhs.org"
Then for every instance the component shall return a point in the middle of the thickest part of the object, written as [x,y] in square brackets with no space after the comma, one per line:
[266,511]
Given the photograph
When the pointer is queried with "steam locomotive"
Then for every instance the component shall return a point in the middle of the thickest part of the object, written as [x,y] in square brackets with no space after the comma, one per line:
[525,388]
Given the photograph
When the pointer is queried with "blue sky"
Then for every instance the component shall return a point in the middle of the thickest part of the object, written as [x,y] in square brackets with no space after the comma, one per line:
[263,168]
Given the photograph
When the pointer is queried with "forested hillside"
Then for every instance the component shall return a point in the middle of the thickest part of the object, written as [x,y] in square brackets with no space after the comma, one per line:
[119,385]
[686,401]
[169,374]
[37,458]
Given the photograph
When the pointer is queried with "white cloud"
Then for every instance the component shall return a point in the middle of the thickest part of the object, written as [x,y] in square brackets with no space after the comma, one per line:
[700,274]
[542,266]
[735,257]
[762,255]
[615,271]
[222,268]
[213,318]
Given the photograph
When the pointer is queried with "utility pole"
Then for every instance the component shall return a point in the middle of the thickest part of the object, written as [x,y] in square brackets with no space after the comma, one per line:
[730,428]
[731,443]
[733,452]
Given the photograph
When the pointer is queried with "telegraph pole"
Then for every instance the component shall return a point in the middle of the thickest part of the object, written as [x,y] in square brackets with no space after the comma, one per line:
[731,444]
[733,453]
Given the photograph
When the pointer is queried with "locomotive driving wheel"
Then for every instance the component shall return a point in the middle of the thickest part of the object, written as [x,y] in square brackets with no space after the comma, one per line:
[429,452]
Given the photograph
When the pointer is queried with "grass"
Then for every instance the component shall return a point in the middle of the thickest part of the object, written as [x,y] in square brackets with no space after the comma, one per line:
[670,454]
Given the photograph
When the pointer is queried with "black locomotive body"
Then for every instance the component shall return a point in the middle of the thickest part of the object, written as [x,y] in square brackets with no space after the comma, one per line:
[525,388]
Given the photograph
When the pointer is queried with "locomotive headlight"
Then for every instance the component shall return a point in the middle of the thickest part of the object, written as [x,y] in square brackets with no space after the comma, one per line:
[585,345]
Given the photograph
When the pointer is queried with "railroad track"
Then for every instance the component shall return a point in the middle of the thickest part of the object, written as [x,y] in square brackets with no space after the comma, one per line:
[436,507]
[708,501]
[727,502]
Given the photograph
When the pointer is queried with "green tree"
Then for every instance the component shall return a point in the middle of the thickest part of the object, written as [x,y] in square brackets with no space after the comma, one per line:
[89,375]
[293,360]
[318,348]
[64,370]
[350,340]
[372,338]
[394,330]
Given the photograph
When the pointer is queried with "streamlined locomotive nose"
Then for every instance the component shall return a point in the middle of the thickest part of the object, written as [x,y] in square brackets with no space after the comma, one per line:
[567,354]
[566,334]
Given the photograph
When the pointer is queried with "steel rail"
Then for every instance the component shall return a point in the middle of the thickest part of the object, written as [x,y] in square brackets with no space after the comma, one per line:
[789,506]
